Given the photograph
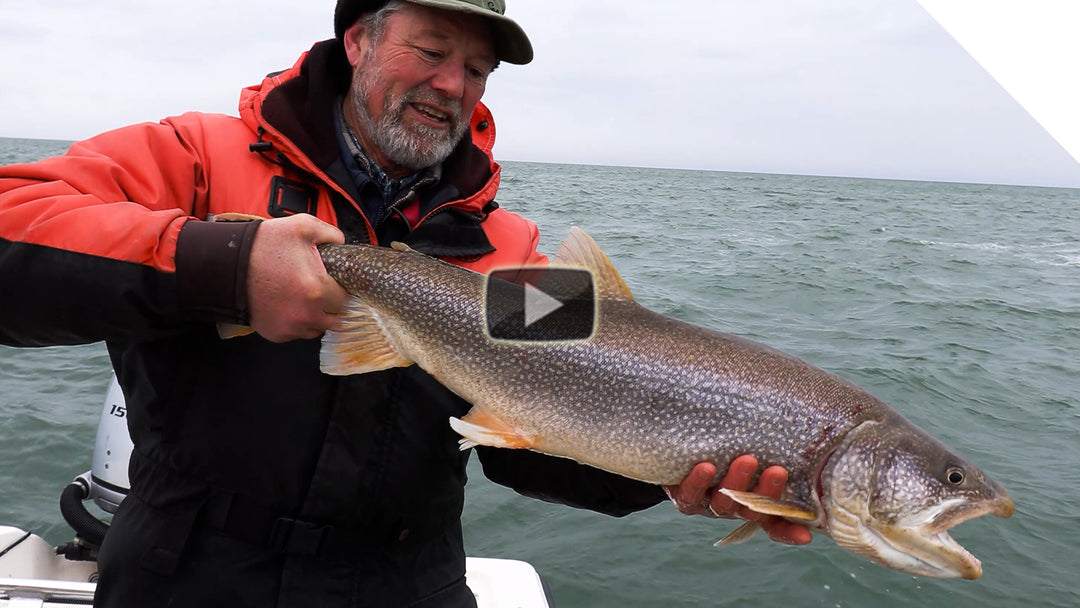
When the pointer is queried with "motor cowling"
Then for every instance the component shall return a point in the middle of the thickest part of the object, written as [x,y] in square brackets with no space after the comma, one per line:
[109,482]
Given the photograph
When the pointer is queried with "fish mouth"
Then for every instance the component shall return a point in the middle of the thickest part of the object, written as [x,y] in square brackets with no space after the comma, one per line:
[937,556]
[919,544]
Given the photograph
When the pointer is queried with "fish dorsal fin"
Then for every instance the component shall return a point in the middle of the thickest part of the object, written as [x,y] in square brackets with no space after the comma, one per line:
[359,344]
[771,506]
[579,249]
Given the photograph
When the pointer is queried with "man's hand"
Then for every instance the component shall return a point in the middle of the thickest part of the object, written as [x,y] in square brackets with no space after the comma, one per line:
[290,295]
[694,497]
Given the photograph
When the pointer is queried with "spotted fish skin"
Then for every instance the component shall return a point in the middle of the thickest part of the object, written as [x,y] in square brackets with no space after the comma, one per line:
[649,397]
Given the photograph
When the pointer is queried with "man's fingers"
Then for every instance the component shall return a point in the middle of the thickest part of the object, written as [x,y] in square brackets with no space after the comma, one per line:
[689,495]
[334,297]
[739,473]
[772,482]
[694,496]
[699,479]
[290,295]
[738,477]
[784,531]
[318,231]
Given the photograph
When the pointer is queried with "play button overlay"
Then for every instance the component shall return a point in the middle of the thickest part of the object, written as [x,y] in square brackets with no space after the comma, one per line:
[540,304]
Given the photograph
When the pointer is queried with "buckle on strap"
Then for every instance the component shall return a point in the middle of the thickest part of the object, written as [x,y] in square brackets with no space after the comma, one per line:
[296,537]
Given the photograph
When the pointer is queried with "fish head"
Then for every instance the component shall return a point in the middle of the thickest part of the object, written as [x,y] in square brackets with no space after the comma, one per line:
[891,492]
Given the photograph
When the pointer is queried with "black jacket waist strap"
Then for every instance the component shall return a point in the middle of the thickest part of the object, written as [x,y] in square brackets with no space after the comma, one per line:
[242,518]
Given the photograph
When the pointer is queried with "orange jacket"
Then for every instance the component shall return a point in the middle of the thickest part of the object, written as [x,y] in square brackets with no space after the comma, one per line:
[96,230]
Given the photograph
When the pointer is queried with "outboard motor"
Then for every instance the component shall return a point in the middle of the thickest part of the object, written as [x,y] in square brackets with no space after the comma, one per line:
[106,483]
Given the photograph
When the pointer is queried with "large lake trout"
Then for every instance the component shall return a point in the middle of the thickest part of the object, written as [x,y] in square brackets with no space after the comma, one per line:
[648,397]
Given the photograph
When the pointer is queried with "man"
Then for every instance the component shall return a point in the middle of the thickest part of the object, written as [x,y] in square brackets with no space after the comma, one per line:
[256,479]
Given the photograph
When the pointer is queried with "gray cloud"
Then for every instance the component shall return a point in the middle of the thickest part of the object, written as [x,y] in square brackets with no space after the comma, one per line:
[857,87]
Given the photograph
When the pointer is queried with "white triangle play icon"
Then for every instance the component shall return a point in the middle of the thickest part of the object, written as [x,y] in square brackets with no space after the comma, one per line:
[538,304]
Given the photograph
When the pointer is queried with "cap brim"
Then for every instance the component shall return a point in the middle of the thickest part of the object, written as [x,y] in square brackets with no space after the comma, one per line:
[511,43]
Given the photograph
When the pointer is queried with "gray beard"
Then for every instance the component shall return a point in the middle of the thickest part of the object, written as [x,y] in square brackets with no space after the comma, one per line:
[413,147]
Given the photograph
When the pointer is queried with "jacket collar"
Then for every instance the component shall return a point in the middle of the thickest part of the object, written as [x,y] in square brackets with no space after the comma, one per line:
[296,109]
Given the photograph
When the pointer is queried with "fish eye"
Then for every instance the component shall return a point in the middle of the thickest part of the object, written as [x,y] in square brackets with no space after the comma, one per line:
[955,476]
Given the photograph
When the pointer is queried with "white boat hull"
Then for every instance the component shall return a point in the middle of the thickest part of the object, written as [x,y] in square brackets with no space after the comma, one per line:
[32,575]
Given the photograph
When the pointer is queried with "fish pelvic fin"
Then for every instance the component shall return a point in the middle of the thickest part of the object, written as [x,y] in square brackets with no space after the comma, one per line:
[739,535]
[579,249]
[771,506]
[359,344]
[480,427]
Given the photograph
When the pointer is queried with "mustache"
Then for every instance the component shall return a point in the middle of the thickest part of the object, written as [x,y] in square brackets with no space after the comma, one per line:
[429,96]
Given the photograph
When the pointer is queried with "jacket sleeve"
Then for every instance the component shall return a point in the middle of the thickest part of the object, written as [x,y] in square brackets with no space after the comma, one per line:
[564,481]
[88,240]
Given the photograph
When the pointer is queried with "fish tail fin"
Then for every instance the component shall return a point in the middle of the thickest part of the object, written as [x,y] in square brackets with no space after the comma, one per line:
[579,249]
[739,535]
[479,427]
[359,344]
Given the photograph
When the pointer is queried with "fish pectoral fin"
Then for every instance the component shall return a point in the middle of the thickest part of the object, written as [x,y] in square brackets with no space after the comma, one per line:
[771,506]
[581,251]
[480,427]
[739,535]
[233,330]
[231,216]
[359,344]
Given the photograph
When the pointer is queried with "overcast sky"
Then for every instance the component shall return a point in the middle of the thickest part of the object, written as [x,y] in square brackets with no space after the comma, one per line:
[864,88]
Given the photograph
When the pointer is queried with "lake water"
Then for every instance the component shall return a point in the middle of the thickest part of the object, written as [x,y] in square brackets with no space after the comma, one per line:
[958,305]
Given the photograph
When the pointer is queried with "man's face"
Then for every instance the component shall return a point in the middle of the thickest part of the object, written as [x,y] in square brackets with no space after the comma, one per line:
[414,90]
